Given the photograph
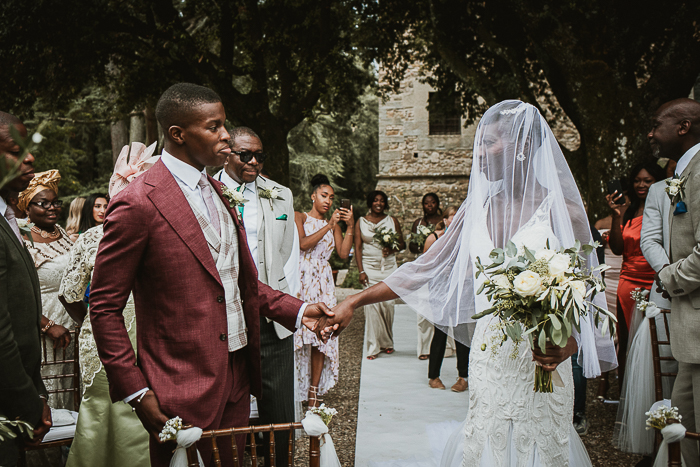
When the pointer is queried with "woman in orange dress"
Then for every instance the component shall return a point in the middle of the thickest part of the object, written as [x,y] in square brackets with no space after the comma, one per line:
[625,234]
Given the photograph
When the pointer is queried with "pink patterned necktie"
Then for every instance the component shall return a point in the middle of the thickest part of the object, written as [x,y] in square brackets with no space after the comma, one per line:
[10,217]
[209,202]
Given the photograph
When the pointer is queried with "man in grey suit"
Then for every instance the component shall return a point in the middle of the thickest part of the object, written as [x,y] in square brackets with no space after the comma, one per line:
[23,395]
[268,218]
[676,134]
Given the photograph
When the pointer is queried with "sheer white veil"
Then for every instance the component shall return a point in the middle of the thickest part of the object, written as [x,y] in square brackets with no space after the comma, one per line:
[517,168]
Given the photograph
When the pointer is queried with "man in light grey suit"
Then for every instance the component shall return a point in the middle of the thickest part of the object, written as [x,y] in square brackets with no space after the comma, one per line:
[676,134]
[655,246]
[268,219]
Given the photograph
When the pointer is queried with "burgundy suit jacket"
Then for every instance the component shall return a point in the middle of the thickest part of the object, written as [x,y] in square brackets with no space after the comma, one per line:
[154,246]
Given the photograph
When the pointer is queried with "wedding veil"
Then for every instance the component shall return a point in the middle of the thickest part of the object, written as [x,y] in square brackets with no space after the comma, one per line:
[517,168]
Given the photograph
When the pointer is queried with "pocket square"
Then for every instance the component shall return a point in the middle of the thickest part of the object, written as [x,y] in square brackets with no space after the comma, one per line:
[283,217]
[680,208]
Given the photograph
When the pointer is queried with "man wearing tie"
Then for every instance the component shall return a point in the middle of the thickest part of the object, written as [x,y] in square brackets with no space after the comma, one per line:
[268,218]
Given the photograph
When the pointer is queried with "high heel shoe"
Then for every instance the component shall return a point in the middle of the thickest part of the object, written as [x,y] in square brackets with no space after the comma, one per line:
[314,400]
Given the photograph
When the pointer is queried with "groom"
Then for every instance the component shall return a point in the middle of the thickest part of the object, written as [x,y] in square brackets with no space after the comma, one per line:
[177,242]
[676,134]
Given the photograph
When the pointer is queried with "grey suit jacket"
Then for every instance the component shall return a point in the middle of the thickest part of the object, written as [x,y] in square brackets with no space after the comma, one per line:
[682,277]
[276,232]
[655,237]
[20,318]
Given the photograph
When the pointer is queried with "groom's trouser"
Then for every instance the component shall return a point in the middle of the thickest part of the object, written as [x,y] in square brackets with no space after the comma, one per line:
[277,402]
[686,396]
[233,411]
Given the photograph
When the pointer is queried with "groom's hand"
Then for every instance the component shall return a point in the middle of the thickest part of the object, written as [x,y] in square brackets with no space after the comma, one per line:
[555,354]
[148,411]
[316,319]
[343,316]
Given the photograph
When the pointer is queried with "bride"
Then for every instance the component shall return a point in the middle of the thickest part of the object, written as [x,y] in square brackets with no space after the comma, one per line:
[520,188]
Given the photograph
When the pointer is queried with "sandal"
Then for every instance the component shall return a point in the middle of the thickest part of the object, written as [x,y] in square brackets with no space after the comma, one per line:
[388,350]
[423,357]
[372,357]
[314,400]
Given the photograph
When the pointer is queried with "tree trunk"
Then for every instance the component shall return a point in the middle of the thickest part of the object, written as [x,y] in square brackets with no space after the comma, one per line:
[151,125]
[120,138]
[137,131]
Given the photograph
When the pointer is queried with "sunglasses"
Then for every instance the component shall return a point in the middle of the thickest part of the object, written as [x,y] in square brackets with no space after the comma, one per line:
[47,204]
[247,156]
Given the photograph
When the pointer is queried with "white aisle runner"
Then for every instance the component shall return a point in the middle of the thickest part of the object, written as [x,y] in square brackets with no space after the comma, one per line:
[396,403]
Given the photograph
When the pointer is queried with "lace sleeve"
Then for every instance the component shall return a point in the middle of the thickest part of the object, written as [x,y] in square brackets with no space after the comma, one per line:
[80,264]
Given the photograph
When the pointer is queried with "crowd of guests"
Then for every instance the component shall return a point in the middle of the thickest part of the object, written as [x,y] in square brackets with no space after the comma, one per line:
[291,251]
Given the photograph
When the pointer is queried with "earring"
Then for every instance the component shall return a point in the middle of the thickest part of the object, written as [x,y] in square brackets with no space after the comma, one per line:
[520,157]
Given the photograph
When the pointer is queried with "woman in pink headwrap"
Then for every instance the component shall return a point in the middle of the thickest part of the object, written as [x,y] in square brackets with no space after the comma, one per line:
[107,434]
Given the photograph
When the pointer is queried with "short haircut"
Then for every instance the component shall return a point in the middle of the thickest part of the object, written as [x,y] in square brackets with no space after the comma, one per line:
[177,102]
[9,119]
[373,194]
[242,131]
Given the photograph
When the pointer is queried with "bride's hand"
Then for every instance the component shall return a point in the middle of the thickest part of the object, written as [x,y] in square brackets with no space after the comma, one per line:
[555,354]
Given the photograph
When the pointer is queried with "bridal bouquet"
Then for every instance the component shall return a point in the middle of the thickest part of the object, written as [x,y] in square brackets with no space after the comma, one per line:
[421,234]
[541,295]
[386,238]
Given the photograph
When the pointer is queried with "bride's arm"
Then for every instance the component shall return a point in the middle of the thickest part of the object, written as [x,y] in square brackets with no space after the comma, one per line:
[343,312]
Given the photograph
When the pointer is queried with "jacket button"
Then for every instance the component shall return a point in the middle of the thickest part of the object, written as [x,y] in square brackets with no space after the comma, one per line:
[220,299]
[223,337]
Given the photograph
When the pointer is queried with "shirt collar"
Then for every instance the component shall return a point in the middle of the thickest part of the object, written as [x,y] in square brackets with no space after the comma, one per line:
[184,172]
[685,160]
[3,206]
[227,180]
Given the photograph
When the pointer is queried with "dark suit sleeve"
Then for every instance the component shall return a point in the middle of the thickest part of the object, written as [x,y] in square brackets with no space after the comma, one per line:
[279,306]
[19,398]
[116,265]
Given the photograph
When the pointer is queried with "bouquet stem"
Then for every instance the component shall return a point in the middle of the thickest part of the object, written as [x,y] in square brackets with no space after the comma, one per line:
[543,380]
[381,264]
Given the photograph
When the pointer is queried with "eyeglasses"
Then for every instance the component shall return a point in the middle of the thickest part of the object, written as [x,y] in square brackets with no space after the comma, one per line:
[247,156]
[47,204]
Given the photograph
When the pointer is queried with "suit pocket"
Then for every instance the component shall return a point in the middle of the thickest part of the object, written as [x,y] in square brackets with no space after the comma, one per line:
[695,300]
[283,286]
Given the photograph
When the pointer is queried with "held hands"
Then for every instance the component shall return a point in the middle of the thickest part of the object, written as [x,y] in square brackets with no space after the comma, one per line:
[43,427]
[343,316]
[316,319]
[148,411]
[555,354]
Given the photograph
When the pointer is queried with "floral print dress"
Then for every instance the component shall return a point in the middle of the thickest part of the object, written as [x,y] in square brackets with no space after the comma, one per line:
[316,286]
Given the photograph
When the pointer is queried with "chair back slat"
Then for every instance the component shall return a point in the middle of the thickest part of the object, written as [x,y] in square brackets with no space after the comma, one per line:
[236,461]
[59,358]
[215,452]
[254,448]
[290,449]
[273,461]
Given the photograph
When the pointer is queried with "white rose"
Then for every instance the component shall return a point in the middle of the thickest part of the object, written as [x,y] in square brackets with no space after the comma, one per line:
[501,280]
[673,190]
[559,264]
[527,283]
[22,223]
[544,254]
[387,237]
[578,286]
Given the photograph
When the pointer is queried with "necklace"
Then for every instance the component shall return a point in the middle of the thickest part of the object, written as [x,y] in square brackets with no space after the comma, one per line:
[44,234]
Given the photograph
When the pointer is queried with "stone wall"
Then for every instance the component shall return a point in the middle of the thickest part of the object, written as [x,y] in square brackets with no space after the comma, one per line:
[412,162]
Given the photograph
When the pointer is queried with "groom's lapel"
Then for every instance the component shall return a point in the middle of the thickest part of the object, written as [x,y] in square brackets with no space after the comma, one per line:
[168,198]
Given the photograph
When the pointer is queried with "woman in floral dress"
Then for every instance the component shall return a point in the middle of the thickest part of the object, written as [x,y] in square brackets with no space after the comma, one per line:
[317,363]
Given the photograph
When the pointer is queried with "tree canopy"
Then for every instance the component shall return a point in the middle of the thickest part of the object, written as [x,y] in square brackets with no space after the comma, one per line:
[604,66]
[272,62]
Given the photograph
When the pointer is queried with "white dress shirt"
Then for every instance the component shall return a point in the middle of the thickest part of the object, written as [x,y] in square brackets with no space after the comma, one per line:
[685,160]
[250,210]
[3,207]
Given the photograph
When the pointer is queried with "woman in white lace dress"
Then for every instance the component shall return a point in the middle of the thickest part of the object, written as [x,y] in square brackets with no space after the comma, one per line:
[49,246]
[520,188]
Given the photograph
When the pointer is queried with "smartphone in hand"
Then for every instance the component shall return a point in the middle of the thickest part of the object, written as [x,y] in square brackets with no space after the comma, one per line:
[613,186]
[345,204]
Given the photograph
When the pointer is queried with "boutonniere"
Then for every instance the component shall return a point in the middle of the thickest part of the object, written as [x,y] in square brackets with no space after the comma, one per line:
[675,188]
[25,228]
[269,194]
[235,199]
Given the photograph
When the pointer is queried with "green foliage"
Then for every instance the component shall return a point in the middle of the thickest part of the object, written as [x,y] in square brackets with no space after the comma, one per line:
[352,280]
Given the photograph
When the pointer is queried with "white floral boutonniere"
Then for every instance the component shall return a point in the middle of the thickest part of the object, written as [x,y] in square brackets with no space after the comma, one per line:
[235,199]
[269,194]
[25,228]
[675,188]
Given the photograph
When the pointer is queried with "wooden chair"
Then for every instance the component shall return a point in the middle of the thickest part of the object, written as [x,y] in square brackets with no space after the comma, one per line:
[60,357]
[674,449]
[230,433]
[657,359]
